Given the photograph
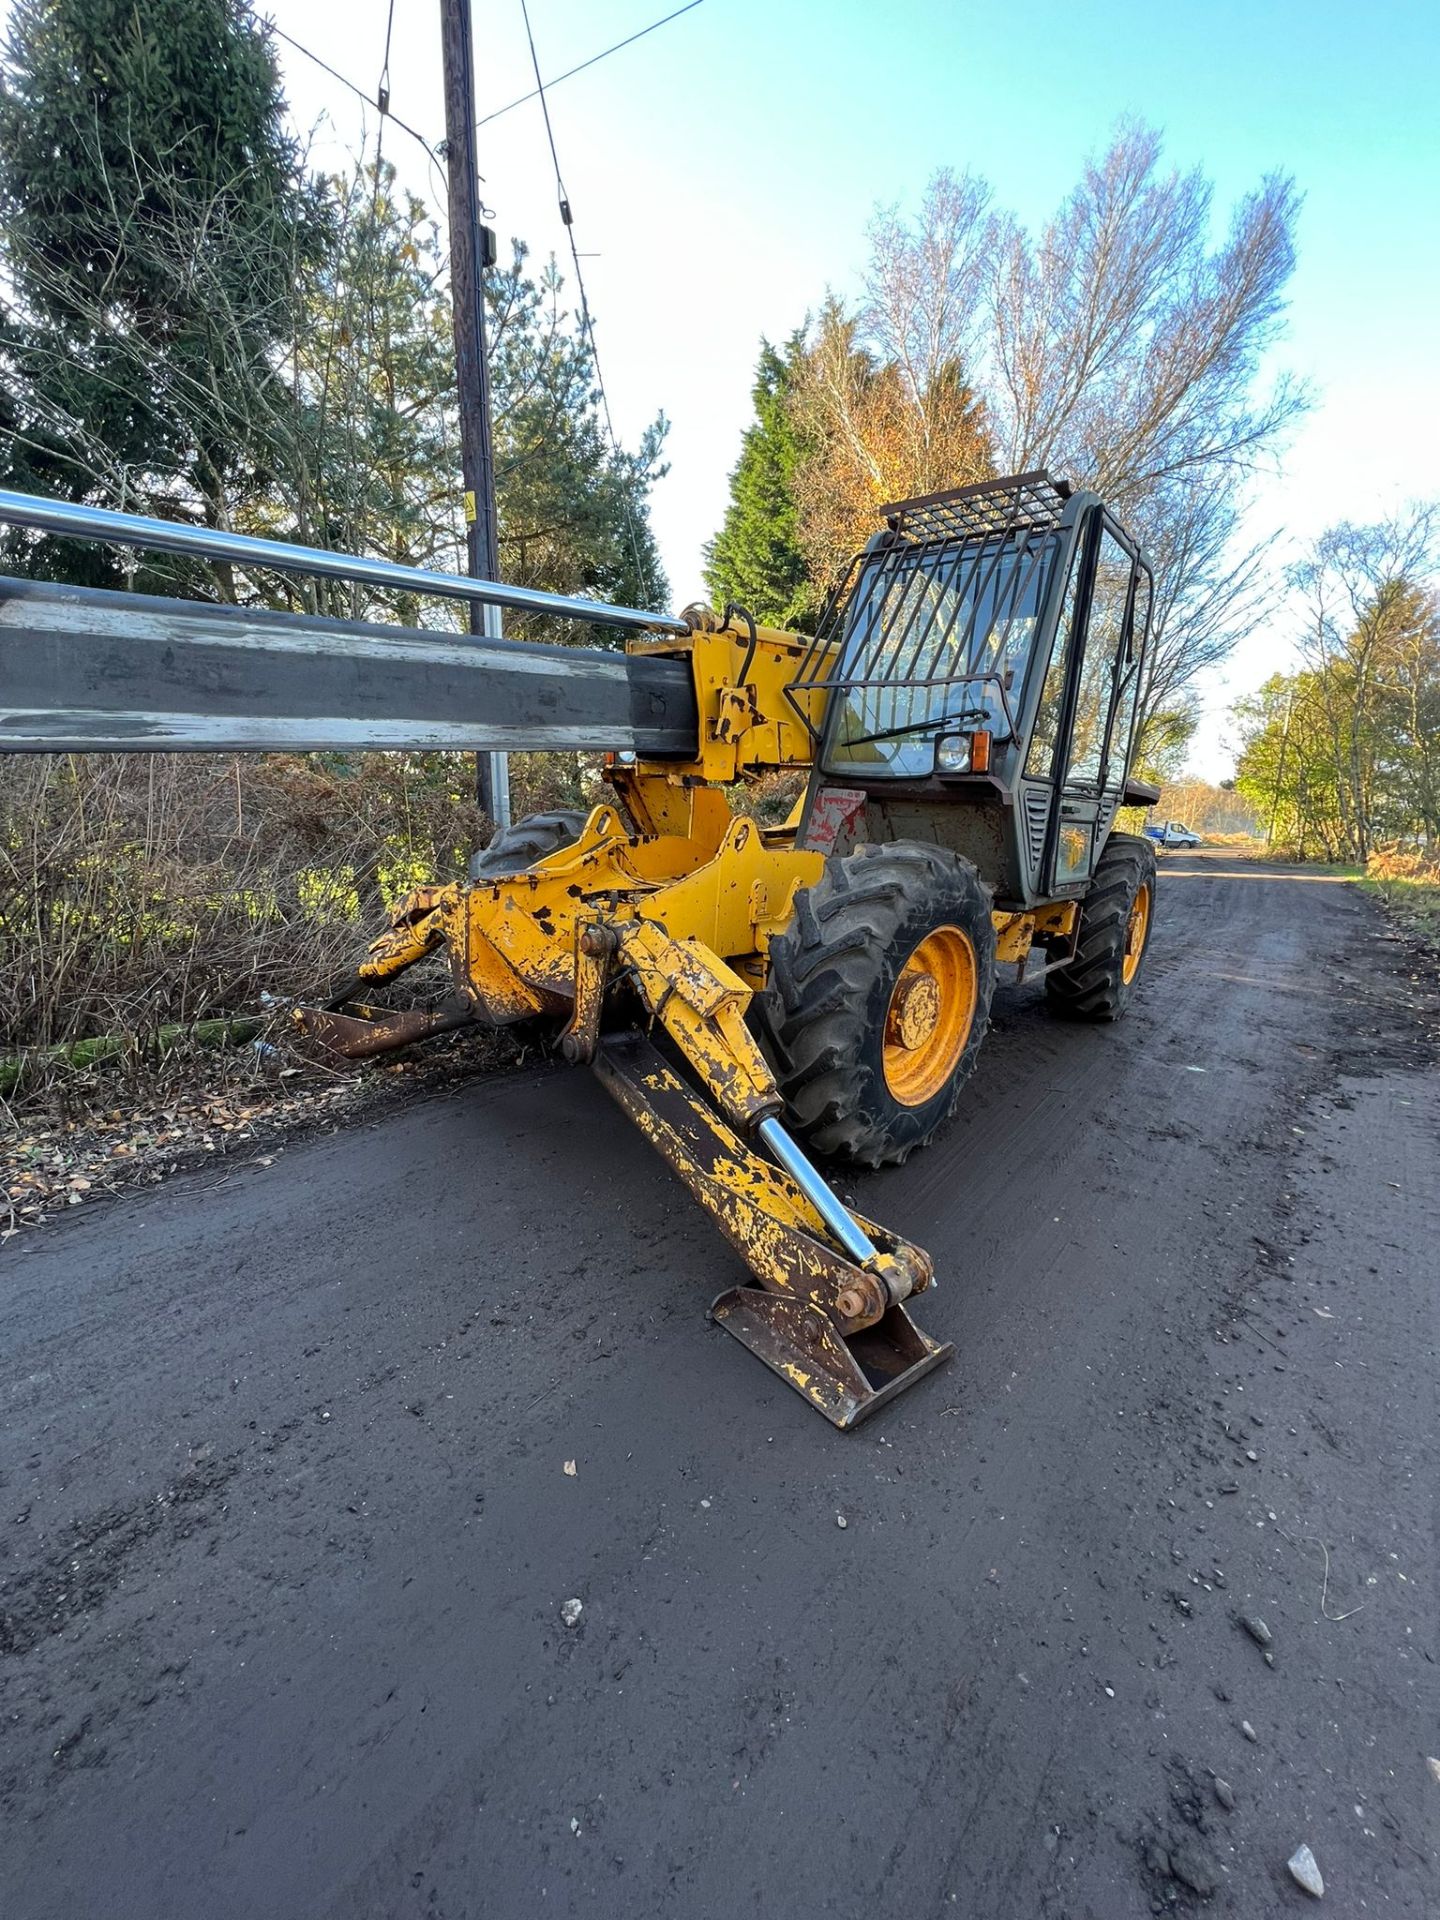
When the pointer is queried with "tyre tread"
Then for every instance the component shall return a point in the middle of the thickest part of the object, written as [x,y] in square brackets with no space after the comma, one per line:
[1093,987]
[523,842]
[812,1015]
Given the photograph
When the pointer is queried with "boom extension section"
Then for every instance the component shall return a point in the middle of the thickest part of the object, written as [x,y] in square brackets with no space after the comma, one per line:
[86,671]
[838,1332]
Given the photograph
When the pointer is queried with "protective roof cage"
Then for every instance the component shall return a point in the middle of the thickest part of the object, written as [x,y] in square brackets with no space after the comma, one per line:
[943,584]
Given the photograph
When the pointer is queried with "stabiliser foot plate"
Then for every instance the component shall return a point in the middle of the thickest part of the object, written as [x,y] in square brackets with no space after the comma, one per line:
[845,1379]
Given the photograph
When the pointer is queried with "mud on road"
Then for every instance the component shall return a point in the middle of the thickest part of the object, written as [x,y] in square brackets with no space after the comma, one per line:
[285,1528]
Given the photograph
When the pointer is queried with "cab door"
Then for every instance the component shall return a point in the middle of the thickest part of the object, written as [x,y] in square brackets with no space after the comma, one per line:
[1098,687]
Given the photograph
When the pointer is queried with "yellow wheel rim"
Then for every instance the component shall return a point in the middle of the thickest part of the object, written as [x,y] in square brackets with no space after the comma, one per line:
[931,1012]
[1137,928]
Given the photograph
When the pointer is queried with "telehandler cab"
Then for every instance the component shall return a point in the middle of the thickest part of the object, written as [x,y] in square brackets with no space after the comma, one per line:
[965,715]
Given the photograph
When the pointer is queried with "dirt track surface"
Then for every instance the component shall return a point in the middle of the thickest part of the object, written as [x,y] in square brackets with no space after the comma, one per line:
[285,1530]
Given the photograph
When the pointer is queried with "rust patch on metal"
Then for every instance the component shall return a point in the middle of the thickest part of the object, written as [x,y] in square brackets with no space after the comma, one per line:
[358,1036]
[845,1379]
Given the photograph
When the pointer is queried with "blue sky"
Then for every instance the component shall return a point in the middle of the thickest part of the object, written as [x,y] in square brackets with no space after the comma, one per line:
[723,169]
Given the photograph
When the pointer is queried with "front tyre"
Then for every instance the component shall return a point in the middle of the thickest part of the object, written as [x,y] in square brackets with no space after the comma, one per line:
[1115,920]
[878,999]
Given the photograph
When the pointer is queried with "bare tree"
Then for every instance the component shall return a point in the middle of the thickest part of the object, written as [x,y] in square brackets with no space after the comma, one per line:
[1116,346]
[1125,352]
[1211,588]
[924,295]
[1121,343]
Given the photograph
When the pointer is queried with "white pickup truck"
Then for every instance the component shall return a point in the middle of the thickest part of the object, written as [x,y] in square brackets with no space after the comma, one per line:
[1170,833]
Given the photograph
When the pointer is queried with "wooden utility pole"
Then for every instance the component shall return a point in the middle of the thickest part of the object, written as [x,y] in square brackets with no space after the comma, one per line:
[471,252]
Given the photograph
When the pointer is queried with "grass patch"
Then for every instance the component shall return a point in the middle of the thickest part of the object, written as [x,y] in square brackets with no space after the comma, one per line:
[1415,904]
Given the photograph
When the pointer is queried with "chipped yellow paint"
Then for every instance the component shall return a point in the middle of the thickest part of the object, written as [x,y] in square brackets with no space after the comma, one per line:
[417,927]
[1013,934]
[1016,933]
[735,902]
[512,941]
[670,891]
[1059,917]
[761,1210]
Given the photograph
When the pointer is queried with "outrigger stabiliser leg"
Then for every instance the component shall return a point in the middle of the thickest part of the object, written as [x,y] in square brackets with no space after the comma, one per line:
[825,1309]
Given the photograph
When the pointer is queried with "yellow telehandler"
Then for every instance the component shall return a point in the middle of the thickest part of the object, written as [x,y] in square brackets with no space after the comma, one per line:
[964,715]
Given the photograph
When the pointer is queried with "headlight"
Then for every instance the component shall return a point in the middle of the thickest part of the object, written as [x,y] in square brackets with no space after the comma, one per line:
[953,755]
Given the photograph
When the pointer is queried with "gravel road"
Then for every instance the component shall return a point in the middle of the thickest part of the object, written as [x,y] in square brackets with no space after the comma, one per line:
[285,1525]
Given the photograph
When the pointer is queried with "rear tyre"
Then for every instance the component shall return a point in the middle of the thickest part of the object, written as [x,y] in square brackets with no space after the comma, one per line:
[878,999]
[1115,921]
[519,846]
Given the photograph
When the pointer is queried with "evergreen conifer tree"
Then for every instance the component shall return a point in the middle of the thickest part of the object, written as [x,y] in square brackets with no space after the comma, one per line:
[155,227]
[755,559]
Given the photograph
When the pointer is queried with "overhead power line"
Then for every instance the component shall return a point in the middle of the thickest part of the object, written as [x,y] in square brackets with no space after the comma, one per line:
[382,100]
[570,72]
[380,104]
[642,571]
